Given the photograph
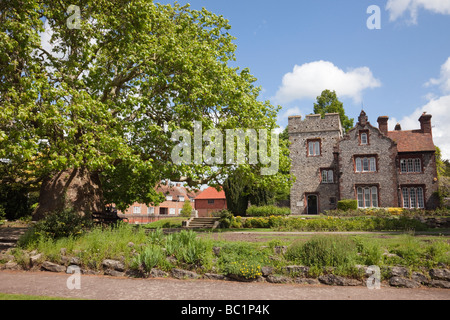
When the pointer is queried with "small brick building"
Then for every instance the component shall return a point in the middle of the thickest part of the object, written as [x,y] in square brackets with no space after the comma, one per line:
[175,195]
[209,201]
[377,167]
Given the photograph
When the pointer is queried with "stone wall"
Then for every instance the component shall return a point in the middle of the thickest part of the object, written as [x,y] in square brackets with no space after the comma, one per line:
[307,169]
[385,176]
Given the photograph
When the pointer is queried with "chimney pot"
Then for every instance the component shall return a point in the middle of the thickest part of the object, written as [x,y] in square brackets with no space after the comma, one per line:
[425,123]
[383,124]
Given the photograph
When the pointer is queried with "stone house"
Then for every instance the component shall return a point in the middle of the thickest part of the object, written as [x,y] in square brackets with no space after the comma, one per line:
[377,167]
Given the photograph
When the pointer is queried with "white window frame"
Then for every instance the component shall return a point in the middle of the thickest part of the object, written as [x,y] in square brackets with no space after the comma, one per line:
[172,211]
[413,198]
[137,210]
[366,164]
[367,197]
[314,148]
[364,138]
[327,176]
[150,210]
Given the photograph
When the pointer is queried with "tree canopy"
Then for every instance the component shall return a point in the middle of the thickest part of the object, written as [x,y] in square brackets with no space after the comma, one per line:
[98,102]
[328,102]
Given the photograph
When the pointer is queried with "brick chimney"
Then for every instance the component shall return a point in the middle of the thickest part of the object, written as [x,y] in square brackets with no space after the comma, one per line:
[425,123]
[383,124]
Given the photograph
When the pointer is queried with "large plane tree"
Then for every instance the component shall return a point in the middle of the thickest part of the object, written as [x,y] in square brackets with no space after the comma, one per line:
[90,94]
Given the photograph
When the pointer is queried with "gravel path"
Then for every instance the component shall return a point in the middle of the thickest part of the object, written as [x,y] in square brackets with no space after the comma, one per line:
[110,288]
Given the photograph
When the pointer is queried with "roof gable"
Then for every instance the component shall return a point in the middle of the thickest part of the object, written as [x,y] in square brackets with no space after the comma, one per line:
[211,193]
[412,141]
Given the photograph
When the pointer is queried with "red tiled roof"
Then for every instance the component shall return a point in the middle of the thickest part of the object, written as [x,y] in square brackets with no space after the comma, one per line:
[412,141]
[211,193]
[176,191]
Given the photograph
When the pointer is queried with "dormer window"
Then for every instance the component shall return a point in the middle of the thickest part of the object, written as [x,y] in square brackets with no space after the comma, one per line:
[363,138]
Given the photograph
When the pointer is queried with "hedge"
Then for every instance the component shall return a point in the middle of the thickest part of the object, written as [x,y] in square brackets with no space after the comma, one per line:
[346,205]
[266,211]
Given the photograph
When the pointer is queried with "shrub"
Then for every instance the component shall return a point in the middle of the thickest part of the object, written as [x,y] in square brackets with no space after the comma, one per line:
[186,211]
[266,211]
[325,251]
[151,257]
[66,223]
[347,205]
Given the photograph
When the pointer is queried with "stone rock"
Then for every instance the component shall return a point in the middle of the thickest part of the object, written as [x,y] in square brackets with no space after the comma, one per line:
[132,273]
[440,274]
[6,257]
[184,274]
[280,249]
[53,267]
[403,283]
[278,279]
[113,265]
[296,269]
[114,273]
[398,271]
[440,284]
[172,260]
[306,281]
[214,276]
[11,265]
[333,280]
[266,271]
[216,250]
[420,278]
[156,273]
[34,260]
[75,261]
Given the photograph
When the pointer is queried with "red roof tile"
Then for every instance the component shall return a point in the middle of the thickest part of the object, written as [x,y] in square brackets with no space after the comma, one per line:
[412,141]
[211,193]
[176,191]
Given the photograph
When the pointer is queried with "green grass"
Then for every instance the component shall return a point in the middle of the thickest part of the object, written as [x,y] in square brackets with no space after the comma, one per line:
[7,296]
[142,249]
[175,222]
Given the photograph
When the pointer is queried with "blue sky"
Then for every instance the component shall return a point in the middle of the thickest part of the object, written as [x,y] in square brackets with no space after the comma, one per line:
[298,48]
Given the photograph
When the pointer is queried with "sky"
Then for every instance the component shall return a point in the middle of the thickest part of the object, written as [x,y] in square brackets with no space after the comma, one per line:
[298,48]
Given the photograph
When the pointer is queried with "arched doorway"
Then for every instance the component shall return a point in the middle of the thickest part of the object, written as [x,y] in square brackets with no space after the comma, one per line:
[312,204]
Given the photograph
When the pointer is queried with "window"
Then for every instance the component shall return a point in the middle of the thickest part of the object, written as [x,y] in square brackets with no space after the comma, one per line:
[365,164]
[327,176]
[172,211]
[411,165]
[313,148]
[363,138]
[181,198]
[367,197]
[413,197]
[137,210]
[211,201]
[150,210]
[169,198]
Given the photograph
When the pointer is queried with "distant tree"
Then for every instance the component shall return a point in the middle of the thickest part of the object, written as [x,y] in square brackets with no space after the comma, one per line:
[186,211]
[328,102]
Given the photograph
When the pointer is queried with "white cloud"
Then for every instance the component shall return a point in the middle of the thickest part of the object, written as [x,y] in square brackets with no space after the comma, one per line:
[444,80]
[397,8]
[439,108]
[310,79]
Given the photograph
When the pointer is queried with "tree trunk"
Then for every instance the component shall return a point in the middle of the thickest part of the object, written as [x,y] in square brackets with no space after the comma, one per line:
[76,189]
